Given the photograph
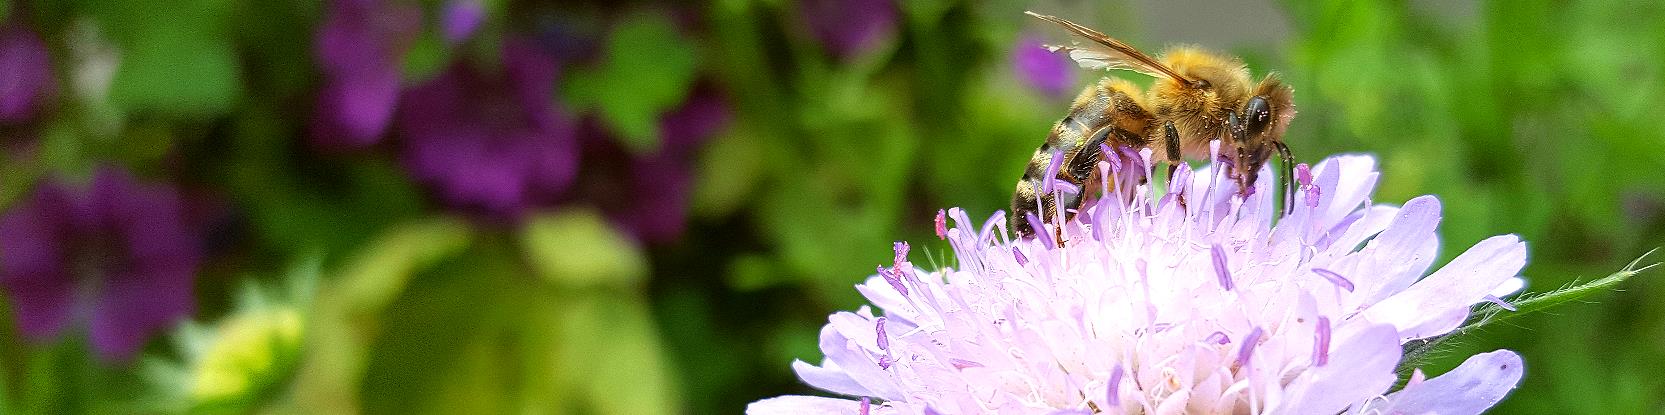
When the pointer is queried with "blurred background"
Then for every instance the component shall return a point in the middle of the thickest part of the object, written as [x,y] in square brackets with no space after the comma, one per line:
[489,206]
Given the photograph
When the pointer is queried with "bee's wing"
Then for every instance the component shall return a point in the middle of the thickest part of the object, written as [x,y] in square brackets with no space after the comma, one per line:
[1108,53]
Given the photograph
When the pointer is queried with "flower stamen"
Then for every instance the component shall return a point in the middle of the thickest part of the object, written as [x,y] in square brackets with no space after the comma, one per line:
[1220,270]
[1334,278]
[1321,347]
[1248,348]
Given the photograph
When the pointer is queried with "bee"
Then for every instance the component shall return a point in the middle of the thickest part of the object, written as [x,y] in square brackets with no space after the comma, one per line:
[1198,96]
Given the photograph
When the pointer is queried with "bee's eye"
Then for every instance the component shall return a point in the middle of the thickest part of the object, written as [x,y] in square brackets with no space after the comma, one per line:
[1259,114]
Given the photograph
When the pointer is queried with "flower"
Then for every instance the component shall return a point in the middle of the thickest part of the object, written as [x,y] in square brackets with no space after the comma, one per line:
[493,144]
[847,28]
[359,48]
[646,195]
[1042,70]
[25,73]
[1190,302]
[118,255]
[460,19]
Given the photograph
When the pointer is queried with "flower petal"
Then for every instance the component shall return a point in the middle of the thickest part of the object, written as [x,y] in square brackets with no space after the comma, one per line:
[854,360]
[799,404]
[829,378]
[1360,366]
[1479,383]
[1461,283]
[1402,252]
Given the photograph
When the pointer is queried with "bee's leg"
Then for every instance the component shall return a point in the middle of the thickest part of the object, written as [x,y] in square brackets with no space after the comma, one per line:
[1171,137]
[1237,142]
[1288,162]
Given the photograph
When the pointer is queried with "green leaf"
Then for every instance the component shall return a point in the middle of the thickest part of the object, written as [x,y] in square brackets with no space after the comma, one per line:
[608,345]
[577,247]
[1417,353]
[176,57]
[426,57]
[378,274]
[647,69]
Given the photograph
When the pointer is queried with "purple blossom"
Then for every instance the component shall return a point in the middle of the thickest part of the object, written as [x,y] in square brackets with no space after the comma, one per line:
[492,143]
[646,195]
[1135,285]
[25,73]
[1049,73]
[117,257]
[847,28]
[359,48]
[460,19]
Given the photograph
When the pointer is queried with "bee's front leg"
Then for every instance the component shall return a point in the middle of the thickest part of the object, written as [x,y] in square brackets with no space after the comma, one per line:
[1237,133]
[1171,138]
[1285,179]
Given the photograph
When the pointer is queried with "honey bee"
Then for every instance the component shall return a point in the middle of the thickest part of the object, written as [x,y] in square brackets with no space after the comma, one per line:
[1199,96]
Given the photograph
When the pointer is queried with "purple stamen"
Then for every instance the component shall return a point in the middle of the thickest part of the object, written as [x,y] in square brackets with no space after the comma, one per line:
[1066,187]
[1249,343]
[901,253]
[1334,278]
[894,279]
[1321,348]
[884,344]
[1021,260]
[942,224]
[1217,338]
[1112,395]
[1500,303]
[1052,172]
[1303,174]
[1220,270]
[963,364]
[884,341]
[866,403]
[1040,230]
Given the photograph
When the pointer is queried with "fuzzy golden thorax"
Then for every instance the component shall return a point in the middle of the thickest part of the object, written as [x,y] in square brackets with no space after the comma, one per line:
[1199,113]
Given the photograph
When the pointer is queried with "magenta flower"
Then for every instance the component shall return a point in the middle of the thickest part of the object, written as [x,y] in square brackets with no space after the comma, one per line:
[491,143]
[646,195]
[460,19]
[1151,305]
[358,49]
[117,258]
[25,73]
[1042,70]
[847,28]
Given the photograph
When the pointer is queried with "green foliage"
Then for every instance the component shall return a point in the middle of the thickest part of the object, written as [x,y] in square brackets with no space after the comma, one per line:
[647,69]
[176,58]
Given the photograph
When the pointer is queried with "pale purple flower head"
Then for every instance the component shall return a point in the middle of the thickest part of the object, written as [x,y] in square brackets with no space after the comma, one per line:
[1040,69]
[116,258]
[491,143]
[358,49]
[847,28]
[25,73]
[1151,305]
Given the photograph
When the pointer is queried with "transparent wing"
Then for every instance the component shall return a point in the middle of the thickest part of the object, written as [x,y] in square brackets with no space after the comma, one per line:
[1108,53]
